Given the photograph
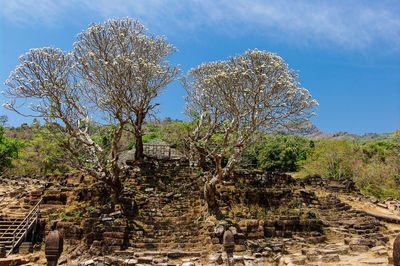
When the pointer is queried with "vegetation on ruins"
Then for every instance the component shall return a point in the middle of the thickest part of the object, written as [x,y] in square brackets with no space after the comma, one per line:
[230,100]
[373,165]
[113,75]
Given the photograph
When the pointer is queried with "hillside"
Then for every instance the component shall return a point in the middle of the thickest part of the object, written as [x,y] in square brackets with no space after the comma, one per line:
[308,130]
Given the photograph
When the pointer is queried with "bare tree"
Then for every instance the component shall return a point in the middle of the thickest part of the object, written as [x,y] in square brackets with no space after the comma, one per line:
[126,70]
[230,100]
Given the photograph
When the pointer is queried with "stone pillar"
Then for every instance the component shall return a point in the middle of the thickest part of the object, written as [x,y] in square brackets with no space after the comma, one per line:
[229,246]
[53,247]
[396,251]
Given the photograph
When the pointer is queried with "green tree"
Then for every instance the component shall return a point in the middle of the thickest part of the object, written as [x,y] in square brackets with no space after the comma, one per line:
[331,159]
[8,150]
[280,152]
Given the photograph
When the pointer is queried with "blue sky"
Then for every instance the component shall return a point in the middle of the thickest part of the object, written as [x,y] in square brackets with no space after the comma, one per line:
[347,52]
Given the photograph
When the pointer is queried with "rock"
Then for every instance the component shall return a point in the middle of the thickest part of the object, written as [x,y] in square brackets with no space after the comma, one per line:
[144,259]
[238,259]
[88,262]
[382,205]
[265,254]
[299,260]
[240,248]
[249,263]
[188,264]
[116,214]
[375,261]
[377,248]
[374,200]
[327,251]
[382,253]
[62,260]
[363,242]
[277,257]
[359,248]
[178,254]
[216,258]
[151,253]
[130,262]
[330,258]
[219,230]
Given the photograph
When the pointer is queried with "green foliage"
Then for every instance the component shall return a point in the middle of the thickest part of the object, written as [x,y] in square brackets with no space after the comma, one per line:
[8,150]
[380,191]
[379,149]
[153,131]
[153,135]
[330,159]
[103,136]
[131,144]
[373,165]
[40,154]
[279,152]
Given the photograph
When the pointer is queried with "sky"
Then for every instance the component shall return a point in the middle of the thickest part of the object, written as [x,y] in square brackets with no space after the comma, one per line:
[347,52]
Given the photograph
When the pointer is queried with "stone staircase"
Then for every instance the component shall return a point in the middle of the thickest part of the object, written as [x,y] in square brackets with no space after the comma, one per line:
[7,227]
[358,230]
[170,217]
[14,229]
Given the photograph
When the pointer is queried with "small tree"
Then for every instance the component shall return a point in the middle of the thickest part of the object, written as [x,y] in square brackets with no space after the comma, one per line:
[126,70]
[230,100]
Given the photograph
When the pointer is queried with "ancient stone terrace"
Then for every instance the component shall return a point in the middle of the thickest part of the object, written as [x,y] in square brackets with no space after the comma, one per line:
[275,219]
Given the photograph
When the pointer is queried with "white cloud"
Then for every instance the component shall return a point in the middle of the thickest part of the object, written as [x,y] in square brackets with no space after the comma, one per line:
[351,24]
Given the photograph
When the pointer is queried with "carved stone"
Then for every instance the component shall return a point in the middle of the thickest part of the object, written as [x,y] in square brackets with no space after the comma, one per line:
[53,247]
[229,245]
[396,251]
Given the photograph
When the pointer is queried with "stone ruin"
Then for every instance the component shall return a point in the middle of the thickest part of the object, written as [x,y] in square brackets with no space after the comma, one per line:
[170,222]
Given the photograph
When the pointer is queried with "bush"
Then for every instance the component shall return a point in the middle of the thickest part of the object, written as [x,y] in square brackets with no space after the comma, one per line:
[333,159]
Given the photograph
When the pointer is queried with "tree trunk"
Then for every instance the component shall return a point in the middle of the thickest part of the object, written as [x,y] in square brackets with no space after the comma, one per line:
[202,157]
[138,136]
[138,148]
[210,192]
